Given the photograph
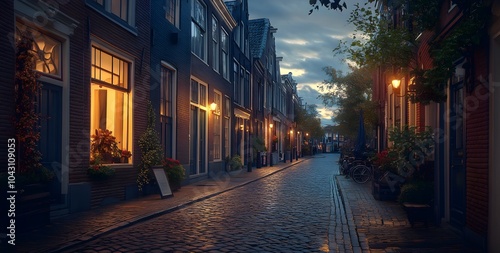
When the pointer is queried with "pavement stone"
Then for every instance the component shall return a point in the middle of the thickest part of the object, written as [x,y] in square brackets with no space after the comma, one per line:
[382,226]
[77,228]
[357,222]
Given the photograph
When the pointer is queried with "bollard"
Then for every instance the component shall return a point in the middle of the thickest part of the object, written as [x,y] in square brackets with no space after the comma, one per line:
[270,159]
[249,167]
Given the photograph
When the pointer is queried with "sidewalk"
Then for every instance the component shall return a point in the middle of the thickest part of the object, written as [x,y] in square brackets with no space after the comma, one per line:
[382,226]
[78,228]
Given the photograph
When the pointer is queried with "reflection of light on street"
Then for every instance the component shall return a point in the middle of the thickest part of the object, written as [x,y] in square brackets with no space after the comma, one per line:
[325,247]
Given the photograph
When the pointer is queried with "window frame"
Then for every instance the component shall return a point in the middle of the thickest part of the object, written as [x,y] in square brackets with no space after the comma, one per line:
[127,107]
[217,130]
[201,28]
[175,13]
[215,44]
[105,10]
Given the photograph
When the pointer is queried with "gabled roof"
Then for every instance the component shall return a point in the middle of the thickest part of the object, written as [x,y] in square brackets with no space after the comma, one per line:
[258,30]
[230,5]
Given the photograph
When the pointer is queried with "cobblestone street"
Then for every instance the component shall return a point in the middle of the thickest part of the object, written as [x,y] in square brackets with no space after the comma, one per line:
[286,212]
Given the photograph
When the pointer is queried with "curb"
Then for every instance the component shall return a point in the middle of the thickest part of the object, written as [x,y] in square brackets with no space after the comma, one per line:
[102,232]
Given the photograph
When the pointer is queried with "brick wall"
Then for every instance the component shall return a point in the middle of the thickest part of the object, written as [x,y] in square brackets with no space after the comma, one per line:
[7,56]
[477,143]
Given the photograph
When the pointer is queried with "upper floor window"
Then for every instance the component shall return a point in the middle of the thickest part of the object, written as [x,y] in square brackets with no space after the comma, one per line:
[215,44]
[198,29]
[172,11]
[225,54]
[120,11]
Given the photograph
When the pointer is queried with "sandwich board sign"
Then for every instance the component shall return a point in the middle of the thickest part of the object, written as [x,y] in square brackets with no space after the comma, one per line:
[162,181]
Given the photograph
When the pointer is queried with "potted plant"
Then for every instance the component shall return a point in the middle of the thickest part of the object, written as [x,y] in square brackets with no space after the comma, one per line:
[175,172]
[149,143]
[417,199]
[125,155]
[235,163]
[386,183]
[98,171]
[413,148]
[258,146]
[104,146]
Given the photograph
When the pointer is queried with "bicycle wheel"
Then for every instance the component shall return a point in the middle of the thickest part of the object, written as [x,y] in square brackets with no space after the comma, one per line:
[360,174]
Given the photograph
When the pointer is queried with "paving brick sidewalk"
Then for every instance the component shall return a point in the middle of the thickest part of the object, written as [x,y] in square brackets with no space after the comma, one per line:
[77,228]
[382,226]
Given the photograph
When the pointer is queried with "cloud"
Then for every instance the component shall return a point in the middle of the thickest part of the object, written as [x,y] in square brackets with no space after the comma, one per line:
[306,43]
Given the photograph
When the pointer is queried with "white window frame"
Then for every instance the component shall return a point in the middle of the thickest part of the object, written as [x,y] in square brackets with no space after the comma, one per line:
[225,54]
[104,7]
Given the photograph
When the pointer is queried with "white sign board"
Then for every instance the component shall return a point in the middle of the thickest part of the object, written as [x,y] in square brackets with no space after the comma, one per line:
[162,180]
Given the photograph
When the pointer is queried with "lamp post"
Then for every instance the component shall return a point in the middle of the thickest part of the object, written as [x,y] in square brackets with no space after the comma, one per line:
[271,145]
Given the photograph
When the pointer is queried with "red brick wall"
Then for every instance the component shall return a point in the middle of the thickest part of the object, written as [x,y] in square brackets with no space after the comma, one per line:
[477,143]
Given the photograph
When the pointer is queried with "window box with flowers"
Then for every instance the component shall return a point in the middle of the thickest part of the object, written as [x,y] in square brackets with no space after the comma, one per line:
[175,172]
[98,171]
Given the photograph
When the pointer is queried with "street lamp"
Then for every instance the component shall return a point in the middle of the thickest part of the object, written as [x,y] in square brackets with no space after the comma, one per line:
[271,145]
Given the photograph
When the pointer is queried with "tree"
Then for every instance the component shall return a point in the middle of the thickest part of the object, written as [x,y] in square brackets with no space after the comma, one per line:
[351,93]
[329,4]
[308,121]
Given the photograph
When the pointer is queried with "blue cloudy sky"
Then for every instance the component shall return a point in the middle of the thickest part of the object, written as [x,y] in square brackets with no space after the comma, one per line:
[306,42]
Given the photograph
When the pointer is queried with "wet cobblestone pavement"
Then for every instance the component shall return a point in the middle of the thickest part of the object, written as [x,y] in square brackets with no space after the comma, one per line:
[299,207]
[286,212]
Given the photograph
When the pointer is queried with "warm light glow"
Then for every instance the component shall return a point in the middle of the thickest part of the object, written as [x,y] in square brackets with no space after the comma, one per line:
[271,125]
[298,132]
[291,131]
[396,83]
[307,134]
[213,106]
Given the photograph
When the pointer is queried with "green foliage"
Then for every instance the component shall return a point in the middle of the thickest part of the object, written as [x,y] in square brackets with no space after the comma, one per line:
[308,121]
[329,4]
[235,163]
[418,192]
[175,171]
[377,41]
[151,149]
[351,93]
[411,147]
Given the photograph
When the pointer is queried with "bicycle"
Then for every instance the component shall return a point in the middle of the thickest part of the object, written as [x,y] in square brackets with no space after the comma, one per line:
[361,173]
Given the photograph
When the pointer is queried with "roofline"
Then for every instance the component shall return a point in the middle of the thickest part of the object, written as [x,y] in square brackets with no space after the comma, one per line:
[224,11]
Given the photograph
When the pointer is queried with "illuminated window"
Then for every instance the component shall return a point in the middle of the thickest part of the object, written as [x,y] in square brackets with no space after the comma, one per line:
[227,125]
[217,127]
[46,48]
[111,105]
[119,11]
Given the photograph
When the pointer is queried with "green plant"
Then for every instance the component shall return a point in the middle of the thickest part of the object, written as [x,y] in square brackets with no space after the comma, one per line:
[98,171]
[411,148]
[235,163]
[258,145]
[417,192]
[175,172]
[104,146]
[151,149]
